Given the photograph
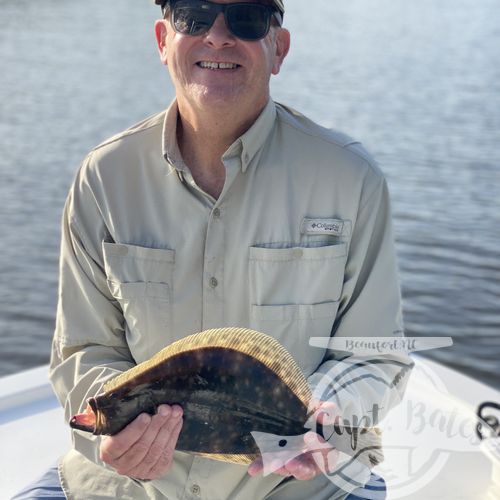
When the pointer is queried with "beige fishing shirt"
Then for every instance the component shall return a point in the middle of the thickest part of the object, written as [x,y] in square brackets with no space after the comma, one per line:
[298,245]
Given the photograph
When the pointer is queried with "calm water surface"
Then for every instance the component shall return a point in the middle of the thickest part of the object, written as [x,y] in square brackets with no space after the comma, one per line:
[417,81]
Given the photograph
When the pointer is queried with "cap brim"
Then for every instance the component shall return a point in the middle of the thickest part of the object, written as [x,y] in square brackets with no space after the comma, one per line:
[278,3]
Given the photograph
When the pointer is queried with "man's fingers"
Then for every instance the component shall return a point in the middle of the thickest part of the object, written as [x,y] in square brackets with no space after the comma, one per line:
[302,468]
[144,449]
[163,448]
[113,447]
[173,427]
[277,467]
[314,441]
[319,457]
[325,460]
[321,452]
[143,454]
[325,412]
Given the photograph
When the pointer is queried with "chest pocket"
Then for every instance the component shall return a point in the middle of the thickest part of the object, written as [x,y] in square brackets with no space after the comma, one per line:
[140,279]
[295,294]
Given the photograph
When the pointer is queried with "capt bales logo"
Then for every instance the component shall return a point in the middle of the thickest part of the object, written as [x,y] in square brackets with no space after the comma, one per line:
[349,445]
[421,433]
[418,431]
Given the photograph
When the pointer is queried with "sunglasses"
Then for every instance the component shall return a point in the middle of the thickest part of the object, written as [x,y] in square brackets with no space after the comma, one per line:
[247,21]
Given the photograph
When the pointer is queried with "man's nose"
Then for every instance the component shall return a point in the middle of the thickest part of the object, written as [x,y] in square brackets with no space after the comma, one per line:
[219,35]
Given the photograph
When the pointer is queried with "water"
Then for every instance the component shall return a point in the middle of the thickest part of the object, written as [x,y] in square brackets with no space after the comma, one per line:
[418,81]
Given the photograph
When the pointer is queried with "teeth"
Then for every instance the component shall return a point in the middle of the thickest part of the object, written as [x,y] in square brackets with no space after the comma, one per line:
[214,65]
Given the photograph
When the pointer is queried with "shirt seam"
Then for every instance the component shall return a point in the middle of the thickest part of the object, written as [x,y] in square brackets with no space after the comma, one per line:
[347,146]
[134,129]
[319,136]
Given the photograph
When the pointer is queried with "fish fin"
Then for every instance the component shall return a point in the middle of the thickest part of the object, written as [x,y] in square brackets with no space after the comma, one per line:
[258,345]
[240,459]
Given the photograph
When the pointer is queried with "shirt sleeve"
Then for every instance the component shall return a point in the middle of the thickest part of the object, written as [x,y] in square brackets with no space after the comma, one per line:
[89,345]
[365,388]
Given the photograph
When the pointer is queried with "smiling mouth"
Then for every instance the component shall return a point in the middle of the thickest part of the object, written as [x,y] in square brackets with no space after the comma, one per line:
[215,65]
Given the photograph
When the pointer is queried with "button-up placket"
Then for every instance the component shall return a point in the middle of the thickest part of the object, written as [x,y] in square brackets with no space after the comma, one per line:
[196,485]
[213,273]
[215,247]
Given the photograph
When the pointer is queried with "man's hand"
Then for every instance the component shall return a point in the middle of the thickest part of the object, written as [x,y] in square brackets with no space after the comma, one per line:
[316,458]
[145,448]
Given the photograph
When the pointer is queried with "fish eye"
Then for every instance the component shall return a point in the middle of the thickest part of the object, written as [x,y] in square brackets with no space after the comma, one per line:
[282,443]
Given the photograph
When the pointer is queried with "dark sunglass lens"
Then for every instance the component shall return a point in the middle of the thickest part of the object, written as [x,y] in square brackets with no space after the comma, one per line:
[191,18]
[248,21]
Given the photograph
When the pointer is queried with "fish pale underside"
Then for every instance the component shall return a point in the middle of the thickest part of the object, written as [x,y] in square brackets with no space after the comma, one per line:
[230,382]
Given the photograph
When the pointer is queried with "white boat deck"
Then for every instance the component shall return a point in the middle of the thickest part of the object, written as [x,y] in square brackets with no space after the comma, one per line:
[34,434]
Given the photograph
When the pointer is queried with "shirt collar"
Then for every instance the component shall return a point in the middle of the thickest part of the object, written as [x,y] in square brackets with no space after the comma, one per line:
[170,147]
[256,136]
[245,146]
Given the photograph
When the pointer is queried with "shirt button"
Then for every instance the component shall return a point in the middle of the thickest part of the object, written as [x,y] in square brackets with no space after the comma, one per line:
[195,489]
[216,213]
[213,282]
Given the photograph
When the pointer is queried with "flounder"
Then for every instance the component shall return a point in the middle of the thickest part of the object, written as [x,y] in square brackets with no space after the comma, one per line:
[229,383]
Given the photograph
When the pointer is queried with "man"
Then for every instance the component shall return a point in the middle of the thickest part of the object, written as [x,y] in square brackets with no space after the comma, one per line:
[226,210]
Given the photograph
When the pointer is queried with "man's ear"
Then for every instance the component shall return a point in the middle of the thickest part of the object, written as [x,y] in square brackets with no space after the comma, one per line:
[161,39]
[282,48]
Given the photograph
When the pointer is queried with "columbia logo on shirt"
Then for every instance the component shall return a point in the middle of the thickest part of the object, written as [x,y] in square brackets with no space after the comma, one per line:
[333,227]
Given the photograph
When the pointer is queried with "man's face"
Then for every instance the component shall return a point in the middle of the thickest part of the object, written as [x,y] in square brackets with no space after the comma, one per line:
[218,69]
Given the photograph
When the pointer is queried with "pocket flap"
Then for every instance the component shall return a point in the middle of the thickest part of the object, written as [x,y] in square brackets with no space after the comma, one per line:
[137,252]
[295,311]
[131,264]
[298,253]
